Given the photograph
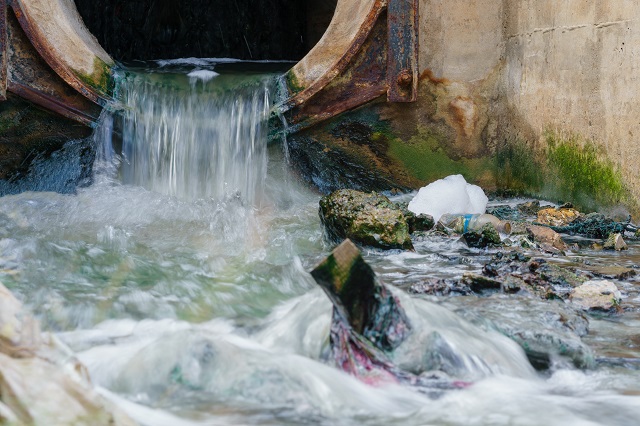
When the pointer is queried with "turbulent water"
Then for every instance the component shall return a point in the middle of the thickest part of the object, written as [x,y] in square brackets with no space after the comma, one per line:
[206,142]
[180,279]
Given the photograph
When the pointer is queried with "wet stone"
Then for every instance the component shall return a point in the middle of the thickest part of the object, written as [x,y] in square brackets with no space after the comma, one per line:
[612,272]
[369,219]
[478,283]
[557,217]
[517,273]
[560,280]
[615,242]
[439,287]
[487,236]
[546,236]
[601,295]
[417,222]
[512,284]
[549,331]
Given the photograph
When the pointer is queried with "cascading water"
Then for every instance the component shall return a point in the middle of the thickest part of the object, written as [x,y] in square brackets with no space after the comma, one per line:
[179,279]
[195,141]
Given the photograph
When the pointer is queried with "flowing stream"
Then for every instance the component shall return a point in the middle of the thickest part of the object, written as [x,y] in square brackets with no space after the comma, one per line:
[180,280]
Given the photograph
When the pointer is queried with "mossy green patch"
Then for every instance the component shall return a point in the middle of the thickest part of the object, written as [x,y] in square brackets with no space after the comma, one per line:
[570,168]
[581,173]
[424,157]
[518,170]
[101,80]
[293,83]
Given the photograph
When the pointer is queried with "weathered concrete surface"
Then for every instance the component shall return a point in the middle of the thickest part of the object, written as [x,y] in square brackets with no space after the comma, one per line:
[535,96]
[572,66]
[520,69]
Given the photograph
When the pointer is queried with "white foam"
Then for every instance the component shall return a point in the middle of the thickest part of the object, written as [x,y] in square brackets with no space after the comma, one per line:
[202,75]
[200,62]
[449,195]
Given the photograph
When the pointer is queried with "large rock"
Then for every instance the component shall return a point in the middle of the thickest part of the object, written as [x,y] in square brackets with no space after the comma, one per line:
[600,295]
[546,236]
[366,218]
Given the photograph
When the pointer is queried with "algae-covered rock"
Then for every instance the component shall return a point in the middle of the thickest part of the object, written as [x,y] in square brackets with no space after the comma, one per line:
[487,236]
[417,222]
[366,218]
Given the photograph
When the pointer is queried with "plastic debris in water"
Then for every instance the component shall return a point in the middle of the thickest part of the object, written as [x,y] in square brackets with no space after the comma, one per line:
[449,195]
[462,223]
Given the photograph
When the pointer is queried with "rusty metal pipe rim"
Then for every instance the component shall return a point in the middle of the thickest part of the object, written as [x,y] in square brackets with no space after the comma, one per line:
[349,31]
[57,32]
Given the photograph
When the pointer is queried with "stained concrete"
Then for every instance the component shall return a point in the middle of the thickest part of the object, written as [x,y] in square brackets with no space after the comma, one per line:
[524,68]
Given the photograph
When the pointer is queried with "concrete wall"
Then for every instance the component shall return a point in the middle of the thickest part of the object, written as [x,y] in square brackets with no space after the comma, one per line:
[532,66]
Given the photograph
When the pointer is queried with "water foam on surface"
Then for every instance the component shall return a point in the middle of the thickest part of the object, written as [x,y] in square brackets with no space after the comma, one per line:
[449,195]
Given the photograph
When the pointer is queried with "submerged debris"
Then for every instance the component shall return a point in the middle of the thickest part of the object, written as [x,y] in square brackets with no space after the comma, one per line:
[462,223]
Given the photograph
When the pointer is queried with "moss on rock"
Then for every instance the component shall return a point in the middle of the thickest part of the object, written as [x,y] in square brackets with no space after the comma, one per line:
[369,219]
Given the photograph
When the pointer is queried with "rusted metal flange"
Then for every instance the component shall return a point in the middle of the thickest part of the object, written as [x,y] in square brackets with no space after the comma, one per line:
[370,49]
[51,59]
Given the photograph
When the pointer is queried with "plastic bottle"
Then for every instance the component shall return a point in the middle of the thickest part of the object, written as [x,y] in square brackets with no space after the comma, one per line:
[462,223]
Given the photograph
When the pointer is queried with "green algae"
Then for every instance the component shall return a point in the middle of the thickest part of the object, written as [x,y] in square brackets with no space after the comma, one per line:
[101,80]
[581,174]
[518,170]
[293,83]
[570,168]
[424,157]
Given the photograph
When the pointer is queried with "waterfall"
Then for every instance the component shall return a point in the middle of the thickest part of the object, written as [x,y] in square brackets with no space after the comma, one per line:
[200,135]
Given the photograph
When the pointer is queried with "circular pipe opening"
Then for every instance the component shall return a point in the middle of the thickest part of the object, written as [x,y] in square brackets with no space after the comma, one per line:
[242,29]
